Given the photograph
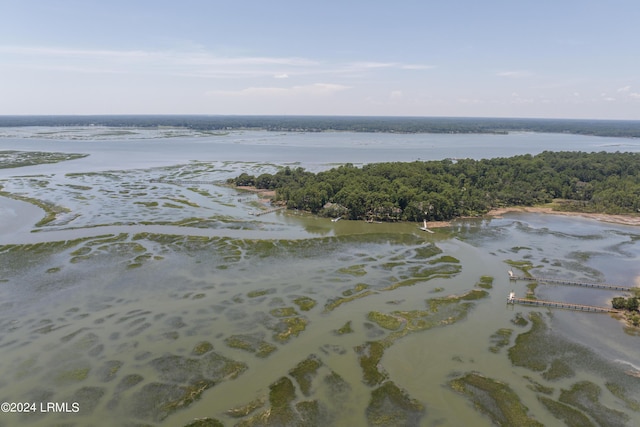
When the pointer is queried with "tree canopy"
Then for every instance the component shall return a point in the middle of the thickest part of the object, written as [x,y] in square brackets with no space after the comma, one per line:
[446,189]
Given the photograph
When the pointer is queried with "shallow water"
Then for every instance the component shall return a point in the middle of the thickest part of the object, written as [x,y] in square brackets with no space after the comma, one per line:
[124,317]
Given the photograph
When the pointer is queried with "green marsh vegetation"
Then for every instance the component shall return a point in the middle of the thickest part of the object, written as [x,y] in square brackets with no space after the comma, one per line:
[440,313]
[253,343]
[501,338]
[290,399]
[621,393]
[247,409]
[304,373]
[280,319]
[525,266]
[206,422]
[126,197]
[486,282]
[420,265]
[391,406]
[496,399]
[555,359]
[51,210]
[585,396]
[305,303]
[16,159]
[357,275]
[345,329]
[570,416]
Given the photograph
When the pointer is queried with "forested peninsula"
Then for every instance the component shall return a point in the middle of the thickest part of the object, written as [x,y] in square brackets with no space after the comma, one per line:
[443,190]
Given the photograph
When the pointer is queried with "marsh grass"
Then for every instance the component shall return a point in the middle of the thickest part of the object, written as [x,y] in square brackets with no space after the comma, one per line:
[570,416]
[584,395]
[305,303]
[305,371]
[386,321]
[345,329]
[496,399]
[391,406]
[16,159]
[501,338]
[253,343]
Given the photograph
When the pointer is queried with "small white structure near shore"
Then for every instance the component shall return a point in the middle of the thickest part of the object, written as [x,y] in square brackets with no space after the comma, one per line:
[425,228]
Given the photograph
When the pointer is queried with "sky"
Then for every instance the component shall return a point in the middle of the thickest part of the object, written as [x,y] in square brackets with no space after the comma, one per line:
[457,58]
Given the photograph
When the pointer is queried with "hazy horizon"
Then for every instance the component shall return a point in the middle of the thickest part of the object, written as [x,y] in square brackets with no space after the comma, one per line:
[341,116]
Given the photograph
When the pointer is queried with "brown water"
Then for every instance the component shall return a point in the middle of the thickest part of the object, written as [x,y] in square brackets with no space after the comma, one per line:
[116,320]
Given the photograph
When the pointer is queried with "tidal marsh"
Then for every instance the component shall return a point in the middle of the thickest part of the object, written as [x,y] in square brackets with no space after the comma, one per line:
[154,314]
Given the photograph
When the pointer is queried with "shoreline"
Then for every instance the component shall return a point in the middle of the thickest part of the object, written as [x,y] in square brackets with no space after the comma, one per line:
[264,196]
[615,219]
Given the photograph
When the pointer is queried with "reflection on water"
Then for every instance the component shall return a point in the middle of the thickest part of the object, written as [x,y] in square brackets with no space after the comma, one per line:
[289,318]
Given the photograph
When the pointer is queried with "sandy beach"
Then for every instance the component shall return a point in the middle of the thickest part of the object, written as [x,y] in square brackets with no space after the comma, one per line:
[617,219]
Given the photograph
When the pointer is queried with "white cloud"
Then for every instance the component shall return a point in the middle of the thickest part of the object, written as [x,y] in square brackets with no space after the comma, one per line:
[521,101]
[515,74]
[316,89]
[626,91]
[322,88]
[394,65]
[470,101]
[191,62]
[365,65]
[189,57]
[417,67]
[195,63]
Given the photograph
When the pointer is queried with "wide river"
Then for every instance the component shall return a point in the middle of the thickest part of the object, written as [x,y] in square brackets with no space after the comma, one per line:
[162,303]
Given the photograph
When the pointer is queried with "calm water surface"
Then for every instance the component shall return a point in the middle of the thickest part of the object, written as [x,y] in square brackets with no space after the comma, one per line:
[96,321]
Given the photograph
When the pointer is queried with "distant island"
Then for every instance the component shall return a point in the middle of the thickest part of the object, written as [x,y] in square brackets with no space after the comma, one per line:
[447,189]
[614,128]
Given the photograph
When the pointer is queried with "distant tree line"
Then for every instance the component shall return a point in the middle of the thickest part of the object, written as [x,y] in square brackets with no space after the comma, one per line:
[446,189]
[618,128]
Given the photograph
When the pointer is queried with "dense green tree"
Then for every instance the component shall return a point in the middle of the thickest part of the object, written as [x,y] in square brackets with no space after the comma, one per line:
[619,303]
[245,179]
[441,190]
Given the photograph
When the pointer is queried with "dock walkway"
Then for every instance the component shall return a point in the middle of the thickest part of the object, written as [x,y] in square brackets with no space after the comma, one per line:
[181,181]
[277,208]
[555,304]
[569,282]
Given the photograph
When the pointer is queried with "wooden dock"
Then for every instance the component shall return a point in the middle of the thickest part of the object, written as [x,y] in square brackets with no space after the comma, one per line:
[267,211]
[564,305]
[569,282]
[181,181]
